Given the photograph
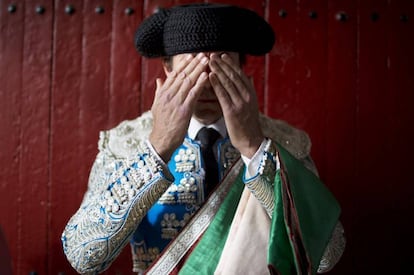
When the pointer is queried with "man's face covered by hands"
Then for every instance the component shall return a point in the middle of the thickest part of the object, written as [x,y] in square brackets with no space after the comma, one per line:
[207,109]
[205,86]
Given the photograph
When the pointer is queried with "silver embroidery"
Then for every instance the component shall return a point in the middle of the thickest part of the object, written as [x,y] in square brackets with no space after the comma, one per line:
[187,191]
[228,155]
[185,160]
[188,187]
[95,219]
[143,256]
[171,225]
[124,129]
[109,215]
[334,249]
[261,186]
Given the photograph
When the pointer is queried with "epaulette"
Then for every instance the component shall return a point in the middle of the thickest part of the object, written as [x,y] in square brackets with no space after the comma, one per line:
[294,140]
[122,140]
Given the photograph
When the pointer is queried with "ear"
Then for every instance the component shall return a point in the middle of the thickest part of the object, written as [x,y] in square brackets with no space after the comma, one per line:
[167,69]
[167,66]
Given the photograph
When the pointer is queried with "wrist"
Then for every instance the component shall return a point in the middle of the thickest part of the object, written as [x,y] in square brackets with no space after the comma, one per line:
[251,147]
[161,148]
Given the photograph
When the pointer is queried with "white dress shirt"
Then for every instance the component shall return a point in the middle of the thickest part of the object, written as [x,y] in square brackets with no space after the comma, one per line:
[220,126]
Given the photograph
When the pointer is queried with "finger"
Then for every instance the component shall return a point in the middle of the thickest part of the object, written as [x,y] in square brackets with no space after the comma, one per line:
[225,81]
[230,62]
[237,77]
[196,67]
[183,62]
[169,80]
[175,85]
[196,90]
[191,80]
[192,72]
[221,93]
[187,62]
[183,90]
[179,83]
[158,85]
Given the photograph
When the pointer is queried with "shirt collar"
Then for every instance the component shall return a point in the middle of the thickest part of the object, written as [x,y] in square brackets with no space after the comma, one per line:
[195,126]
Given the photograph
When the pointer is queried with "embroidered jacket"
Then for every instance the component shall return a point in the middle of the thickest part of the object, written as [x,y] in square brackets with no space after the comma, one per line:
[134,197]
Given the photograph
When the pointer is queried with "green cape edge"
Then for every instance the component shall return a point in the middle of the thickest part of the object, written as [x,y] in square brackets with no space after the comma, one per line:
[316,210]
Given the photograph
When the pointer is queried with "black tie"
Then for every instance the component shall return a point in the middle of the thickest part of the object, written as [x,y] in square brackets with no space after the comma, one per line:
[207,138]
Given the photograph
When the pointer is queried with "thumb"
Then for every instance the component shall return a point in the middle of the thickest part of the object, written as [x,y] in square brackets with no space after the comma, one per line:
[158,85]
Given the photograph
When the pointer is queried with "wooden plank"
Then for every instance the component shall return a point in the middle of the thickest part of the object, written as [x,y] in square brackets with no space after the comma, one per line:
[356,104]
[281,89]
[96,68]
[66,154]
[35,121]
[341,110]
[125,82]
[310,77]
[11,49]
[372,98]
[401,42]
[400,134]
[341,95]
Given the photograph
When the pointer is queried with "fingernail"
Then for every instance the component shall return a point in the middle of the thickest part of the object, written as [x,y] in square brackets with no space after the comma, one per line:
[188,56]
[204,60]
[200,55]
[203,75]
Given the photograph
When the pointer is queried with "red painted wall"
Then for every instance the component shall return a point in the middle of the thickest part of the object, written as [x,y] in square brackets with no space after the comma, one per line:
[349,84]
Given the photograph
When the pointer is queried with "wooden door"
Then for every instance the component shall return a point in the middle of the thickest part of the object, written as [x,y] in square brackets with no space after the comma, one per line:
[341,70]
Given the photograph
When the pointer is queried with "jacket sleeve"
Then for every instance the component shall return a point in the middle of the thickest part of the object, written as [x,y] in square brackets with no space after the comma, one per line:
[120,192]
[262,187]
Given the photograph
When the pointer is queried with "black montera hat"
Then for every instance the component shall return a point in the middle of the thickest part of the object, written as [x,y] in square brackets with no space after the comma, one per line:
[203,27]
